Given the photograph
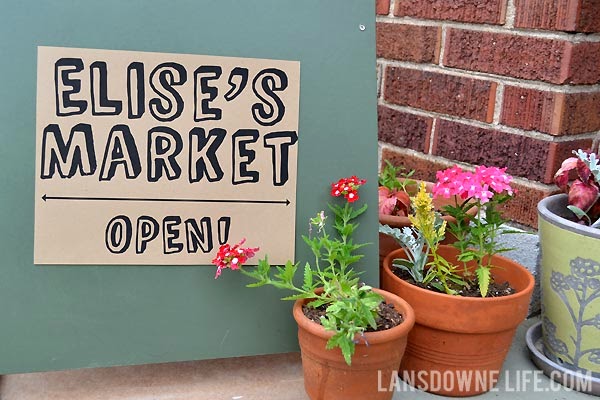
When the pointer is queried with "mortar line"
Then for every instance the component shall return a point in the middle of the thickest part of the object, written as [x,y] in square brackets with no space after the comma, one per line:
[392,8]
[432,136]
[511,13]
[442,46]
[483,125]
[571,37]
[525,83]
[499,103]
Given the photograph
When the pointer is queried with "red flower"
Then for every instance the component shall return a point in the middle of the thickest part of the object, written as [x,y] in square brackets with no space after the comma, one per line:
[348,187]
[233,257]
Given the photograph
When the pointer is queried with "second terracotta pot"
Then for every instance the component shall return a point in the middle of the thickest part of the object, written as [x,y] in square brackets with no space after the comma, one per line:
[458,344]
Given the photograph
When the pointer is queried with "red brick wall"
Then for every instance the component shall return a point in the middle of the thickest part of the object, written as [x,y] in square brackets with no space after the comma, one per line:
[512,83]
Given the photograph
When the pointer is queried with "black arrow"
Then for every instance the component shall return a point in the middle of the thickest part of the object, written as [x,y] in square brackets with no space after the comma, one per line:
[46,197]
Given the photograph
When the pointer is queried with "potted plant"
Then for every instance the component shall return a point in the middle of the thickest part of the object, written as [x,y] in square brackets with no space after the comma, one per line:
[468,300]
[569,230]
[395,188]
[351,336]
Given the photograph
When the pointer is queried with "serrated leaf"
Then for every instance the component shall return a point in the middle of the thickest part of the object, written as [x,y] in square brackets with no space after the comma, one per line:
[316,303]
[484,276]
[347,346]
[358,212]
[329,324]
[308,277]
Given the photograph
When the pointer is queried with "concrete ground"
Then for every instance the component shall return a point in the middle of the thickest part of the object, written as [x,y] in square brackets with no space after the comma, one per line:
[247,378]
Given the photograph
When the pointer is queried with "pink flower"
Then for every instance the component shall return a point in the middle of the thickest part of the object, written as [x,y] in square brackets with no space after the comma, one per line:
[481,185]
[233,257]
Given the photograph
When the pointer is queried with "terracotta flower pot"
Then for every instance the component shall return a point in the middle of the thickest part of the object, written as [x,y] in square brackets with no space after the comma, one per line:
[459,338]
[388,244]
[326,374]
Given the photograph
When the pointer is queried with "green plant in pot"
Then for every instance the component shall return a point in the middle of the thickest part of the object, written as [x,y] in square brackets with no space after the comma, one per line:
[351,335]
[569,229]
[468,299]
[396,185]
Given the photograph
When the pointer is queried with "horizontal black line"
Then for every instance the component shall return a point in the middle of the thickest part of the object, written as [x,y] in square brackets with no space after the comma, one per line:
[239,201]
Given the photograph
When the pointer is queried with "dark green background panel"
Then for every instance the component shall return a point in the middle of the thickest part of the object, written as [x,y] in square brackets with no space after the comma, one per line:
[60,317]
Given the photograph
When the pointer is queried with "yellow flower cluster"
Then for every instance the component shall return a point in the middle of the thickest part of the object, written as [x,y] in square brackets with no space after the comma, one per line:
[424,217]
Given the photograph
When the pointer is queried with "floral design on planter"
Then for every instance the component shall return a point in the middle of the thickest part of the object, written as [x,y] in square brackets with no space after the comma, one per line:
[584,281]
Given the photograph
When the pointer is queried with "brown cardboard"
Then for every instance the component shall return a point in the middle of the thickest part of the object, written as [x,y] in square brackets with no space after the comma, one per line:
[73,212]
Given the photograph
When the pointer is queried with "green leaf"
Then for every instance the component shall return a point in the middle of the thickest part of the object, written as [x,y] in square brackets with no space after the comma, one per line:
[329,324]
[317,303]
[257,284]
[457,280]
[299,296]
[308,277]
[466,256]
[484,277]
[578,212]
[347,346]
[358,212]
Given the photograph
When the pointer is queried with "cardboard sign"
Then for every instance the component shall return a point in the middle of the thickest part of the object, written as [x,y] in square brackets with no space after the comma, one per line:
[154,158]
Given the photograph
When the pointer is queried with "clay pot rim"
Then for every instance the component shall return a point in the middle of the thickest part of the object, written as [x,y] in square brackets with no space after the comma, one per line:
[399,221]
[372,337]
[547,210]
[525,292]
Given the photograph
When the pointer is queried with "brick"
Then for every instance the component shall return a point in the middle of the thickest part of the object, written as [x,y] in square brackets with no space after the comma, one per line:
[588,17]
[559,15]
[413,43]
[510,55]
[403,129]
[552,112]
[522,208]
[584,66]
[424,166]
[552,60]
[383,7]
[524,156]
[447,94]
[477,11]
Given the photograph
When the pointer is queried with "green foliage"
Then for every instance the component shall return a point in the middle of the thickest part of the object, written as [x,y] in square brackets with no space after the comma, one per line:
[351,307]
[484,276]
[591,161]
[441,272]
[389,177]
[478,237]
[415,248]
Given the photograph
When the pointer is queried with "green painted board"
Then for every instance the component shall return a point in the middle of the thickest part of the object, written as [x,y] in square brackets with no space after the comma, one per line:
[61,317]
